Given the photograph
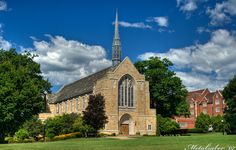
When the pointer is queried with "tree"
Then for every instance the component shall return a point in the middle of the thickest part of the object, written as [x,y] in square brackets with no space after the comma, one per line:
[229,94]
[203,122]
[21,88]
[219,124]
[94,115]
[167,92]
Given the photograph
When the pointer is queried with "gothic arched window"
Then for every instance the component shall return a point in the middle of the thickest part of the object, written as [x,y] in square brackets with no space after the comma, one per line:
[126,91]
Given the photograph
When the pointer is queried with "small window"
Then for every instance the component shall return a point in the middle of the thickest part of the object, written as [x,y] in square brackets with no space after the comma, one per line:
[217,101]
[191,105]
[183,124]
[71,105]
[57,107]
[149,127]
[204,104]
[205,111]
[83,103]
[77,104]
[217,109]
[192,112]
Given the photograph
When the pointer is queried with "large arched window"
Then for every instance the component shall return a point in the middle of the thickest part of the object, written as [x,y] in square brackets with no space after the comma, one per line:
[126,91]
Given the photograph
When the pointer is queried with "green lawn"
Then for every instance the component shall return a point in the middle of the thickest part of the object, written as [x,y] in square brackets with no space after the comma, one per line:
[143,143]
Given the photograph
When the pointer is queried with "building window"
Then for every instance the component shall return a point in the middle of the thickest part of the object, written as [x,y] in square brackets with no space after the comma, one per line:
[192,112]
[149,127]
[217,101]
[204,111]
[126,91]
[217,109]
[183,124]
[204,104]
[191,105]
[223,101]
[71,105]
[77,104]
[83,103]
[57,107]
[65,105]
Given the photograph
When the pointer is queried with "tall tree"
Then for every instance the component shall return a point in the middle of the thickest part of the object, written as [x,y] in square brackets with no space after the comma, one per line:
[21,88]
[229,94]
[95,115]
[167,92]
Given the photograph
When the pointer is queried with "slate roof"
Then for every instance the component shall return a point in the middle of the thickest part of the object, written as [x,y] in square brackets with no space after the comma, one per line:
[79,87]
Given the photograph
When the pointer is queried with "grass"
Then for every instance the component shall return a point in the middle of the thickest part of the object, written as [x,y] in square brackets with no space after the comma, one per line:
[143,143]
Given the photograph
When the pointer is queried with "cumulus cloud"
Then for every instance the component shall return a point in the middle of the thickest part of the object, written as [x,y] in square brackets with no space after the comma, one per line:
[204,65]
[3,5]
[161,21]
[222,12]
[134,25]
[64,61]
[187,5]
[4,44]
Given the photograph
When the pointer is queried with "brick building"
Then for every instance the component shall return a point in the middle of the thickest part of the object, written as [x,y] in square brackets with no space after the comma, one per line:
[202,101]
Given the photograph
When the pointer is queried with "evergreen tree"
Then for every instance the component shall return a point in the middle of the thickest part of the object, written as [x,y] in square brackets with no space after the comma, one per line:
[229,94]
[95,115]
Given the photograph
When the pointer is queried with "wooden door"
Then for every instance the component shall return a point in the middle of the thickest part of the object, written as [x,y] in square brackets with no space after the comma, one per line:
[124,128]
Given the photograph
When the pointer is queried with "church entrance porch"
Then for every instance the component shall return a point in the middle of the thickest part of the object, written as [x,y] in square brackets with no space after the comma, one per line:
[126,125]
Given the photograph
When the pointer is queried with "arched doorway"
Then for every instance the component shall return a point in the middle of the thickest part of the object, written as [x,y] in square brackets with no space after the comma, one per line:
[126,125]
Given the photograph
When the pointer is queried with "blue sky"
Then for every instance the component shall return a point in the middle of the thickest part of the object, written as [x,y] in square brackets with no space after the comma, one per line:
[73,38]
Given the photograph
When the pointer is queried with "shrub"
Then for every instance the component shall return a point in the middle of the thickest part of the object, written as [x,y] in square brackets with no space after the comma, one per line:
[195,130]
[60,124]
[167,126]
[22,134]
[34,127]
[203,121]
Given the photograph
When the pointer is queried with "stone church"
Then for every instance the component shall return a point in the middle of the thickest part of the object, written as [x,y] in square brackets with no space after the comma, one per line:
[126,93]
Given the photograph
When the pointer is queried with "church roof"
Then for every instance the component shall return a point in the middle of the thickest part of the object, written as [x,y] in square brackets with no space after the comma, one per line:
[79,87]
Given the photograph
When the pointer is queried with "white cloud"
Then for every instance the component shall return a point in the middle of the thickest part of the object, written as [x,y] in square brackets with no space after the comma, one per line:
[202,30]
[3,5]
[204,65]
[161,21]
[64,61]
[187,5]
[134,25]
[4,44]
[222,12]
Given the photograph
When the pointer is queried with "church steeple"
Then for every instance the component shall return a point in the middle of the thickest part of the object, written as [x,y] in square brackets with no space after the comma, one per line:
[116,46]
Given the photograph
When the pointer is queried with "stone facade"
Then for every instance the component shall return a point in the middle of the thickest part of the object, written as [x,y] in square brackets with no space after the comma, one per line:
[139,119]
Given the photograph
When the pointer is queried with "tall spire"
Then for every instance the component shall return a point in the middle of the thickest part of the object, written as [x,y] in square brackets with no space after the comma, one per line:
[116,46]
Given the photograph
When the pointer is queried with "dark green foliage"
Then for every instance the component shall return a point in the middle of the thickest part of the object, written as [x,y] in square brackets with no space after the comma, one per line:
[203,122]
[229,94]
[167,92]
[166,125]
[34,127]
[195,130]
[219,124]
[60,124]
[94,115]
[21,88]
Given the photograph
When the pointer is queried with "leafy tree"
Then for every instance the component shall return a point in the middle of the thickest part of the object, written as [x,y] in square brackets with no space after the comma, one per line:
[167,92]
[229,94]
[34,127]
[218,125]
[21,88]
[166,125]
[94,115]
[203,122]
